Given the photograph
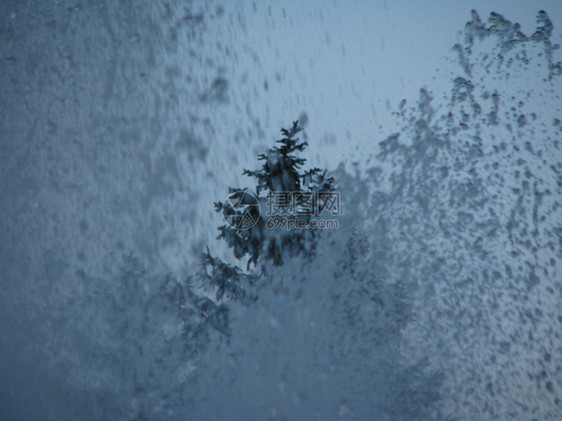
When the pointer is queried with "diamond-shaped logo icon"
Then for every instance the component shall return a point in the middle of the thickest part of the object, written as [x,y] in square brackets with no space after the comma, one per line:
[241,210]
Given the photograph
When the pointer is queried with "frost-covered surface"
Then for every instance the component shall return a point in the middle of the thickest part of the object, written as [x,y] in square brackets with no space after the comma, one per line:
[473,200]
[438,297]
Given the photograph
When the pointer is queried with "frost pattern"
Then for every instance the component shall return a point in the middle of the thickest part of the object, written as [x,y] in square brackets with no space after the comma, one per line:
[454,235]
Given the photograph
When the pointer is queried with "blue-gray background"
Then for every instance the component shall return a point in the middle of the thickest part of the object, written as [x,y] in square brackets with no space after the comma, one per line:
[116,122]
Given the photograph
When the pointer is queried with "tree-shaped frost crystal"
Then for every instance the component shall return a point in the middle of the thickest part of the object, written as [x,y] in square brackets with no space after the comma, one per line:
[249,229]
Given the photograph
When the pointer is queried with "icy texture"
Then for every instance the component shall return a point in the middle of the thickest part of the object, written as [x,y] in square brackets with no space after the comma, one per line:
[439,297]
[459,224]
[468,197]
[281,174]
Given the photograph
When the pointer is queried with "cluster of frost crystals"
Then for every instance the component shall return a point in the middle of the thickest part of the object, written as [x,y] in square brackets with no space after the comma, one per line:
[322,340]
[281,174]
[508,36]
[315,334]
[438,296]
[468,195]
